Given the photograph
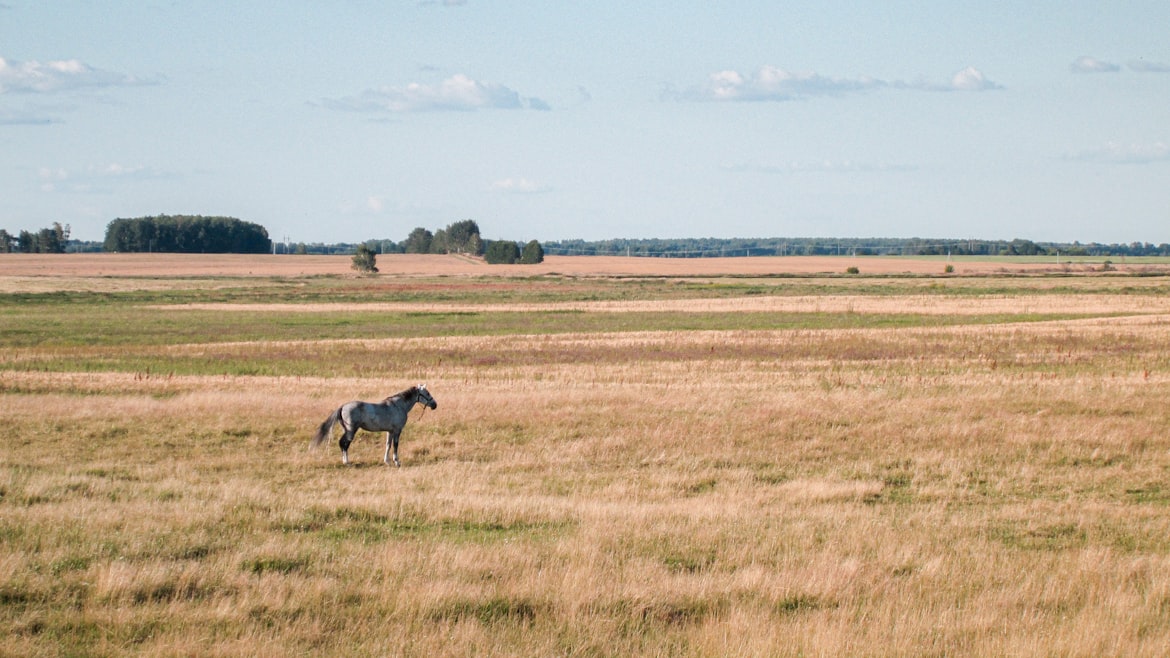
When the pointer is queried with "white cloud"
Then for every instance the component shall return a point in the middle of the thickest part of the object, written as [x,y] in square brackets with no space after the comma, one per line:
[972,79]
[458,93]
[1119,153]
[1086,64]
[775,84]
[58,76]
[519,186]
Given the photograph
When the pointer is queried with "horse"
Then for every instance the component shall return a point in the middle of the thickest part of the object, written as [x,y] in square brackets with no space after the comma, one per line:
[387,416]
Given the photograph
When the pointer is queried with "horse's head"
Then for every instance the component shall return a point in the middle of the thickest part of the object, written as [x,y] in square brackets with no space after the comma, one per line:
[424,397]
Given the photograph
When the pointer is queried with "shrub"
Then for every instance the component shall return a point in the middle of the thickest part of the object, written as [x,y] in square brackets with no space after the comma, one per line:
[365,260]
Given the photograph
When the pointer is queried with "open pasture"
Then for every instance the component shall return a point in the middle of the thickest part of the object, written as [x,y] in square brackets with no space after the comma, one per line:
[85,269]
[698,465]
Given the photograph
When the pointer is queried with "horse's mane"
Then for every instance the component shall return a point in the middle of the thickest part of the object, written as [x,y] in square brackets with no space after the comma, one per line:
[401,394]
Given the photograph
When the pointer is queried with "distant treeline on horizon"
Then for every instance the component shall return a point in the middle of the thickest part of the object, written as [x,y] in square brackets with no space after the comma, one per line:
[734,247]
[739,247]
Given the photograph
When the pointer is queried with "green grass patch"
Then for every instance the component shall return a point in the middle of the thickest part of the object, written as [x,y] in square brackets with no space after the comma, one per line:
[366,526]
[275,564]
[488,611]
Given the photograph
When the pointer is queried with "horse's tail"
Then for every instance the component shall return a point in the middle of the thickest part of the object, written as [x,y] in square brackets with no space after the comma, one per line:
[326,429]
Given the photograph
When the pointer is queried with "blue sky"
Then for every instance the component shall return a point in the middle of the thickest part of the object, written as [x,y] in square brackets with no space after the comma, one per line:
[344,121]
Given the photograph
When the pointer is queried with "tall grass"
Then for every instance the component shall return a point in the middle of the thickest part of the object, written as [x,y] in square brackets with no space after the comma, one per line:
[963,489]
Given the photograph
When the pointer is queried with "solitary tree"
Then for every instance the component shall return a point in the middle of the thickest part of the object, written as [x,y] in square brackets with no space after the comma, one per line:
[365,260]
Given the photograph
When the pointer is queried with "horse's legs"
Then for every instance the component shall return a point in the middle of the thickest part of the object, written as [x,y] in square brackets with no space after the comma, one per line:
[392,440]
[346,439]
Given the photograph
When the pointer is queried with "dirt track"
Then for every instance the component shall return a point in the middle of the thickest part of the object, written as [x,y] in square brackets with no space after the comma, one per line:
[234,265]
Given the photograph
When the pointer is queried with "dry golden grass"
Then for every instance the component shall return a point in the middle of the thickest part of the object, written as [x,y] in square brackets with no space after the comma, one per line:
[81,267]
[889,304]
[966,490]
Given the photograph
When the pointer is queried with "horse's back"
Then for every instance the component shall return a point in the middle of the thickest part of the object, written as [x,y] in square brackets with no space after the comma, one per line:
[373,416]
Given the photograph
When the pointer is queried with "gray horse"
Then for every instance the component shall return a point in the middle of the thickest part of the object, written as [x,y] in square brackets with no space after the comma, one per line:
[387,416]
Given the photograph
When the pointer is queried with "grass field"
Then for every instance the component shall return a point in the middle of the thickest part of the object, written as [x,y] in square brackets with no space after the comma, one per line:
[652,464]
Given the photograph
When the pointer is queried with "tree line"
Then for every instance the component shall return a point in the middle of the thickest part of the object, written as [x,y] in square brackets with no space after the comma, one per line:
[729,247]
[463,237]
[186,234]
[199,234]
[51,240]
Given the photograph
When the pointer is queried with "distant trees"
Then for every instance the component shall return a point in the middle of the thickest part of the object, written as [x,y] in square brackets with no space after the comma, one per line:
[186,234]
[501,252]
[1020,247]
[506,252]
[722,247]
[418,242]
[533,253]
[463,237]
[50,240]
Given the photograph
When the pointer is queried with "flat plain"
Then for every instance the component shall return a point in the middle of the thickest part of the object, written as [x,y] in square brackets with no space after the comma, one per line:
[732,457]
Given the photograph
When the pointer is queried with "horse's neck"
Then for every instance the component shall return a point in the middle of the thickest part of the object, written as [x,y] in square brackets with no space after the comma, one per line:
[405,399]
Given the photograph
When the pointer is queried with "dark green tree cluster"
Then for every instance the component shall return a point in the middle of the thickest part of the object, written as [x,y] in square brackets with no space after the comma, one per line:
[50,240]
[463,237]
[501,252]
[418,242]
[533,253]
[506,252]
[187,234]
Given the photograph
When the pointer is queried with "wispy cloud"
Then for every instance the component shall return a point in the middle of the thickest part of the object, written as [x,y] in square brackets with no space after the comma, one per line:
[1143,66]
[519,186]
[1086,64]
[775,84]
[819,166]
[457,93]
[119,171]
[96,179]
[33,77]
[1120,153]
[372,204]
[25,117]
